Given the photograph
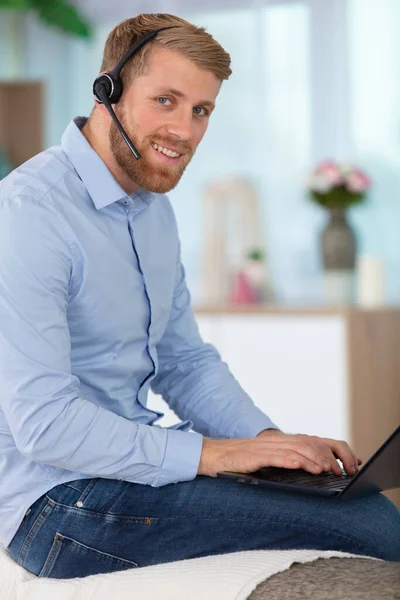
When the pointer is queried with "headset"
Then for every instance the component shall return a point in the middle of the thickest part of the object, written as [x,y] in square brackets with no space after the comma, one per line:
[108,88]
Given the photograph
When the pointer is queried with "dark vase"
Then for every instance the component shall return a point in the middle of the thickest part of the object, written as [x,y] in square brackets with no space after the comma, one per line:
[338,242]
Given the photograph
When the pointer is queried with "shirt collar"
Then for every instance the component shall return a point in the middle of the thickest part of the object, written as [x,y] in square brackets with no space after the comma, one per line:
[97,178]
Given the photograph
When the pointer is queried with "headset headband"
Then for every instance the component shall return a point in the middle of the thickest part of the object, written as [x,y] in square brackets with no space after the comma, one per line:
[112,80]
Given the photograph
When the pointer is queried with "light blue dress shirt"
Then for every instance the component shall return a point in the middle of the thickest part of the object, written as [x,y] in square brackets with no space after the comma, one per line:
[94,310]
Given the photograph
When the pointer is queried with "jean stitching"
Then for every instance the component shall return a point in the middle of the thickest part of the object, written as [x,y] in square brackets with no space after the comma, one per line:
[72,487]
[106,516]
[86,491]
[54,552]
[56,548]
[40,519]
[106,555]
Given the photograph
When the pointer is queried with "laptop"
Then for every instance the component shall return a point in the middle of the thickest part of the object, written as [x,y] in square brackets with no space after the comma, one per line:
[381,472]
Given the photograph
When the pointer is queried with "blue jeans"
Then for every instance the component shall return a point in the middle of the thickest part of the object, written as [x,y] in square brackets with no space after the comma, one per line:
[99,525]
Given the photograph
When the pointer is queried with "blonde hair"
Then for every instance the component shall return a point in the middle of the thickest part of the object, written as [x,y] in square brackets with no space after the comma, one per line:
[191,41]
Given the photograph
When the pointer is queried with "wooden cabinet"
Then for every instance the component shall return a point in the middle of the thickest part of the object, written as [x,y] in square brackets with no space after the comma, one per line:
[21,119]
[331,373]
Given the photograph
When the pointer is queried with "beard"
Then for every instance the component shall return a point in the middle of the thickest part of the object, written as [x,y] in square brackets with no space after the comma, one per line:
[147,172]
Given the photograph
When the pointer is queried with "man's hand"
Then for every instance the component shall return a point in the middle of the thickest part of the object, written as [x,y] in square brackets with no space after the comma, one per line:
[331,449]
[273,448]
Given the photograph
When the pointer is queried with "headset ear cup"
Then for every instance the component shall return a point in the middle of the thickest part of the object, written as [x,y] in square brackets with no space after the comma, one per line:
[111,85]
[117,90]
[106,83]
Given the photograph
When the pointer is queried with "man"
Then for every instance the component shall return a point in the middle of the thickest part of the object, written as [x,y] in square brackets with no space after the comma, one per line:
[94,310]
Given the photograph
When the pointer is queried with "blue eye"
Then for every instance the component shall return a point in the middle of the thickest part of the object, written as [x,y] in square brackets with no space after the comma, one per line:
[201,108]
[163,100]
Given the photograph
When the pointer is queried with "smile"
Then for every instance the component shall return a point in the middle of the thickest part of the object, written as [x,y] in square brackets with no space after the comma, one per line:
[166,151]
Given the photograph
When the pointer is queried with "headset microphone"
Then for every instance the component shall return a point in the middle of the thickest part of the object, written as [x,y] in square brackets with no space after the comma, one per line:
[101,93]
[108,88]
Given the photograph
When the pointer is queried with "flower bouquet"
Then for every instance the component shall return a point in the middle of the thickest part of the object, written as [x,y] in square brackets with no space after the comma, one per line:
[337,185]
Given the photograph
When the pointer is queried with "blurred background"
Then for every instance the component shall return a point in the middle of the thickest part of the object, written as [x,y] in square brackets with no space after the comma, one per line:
[313,81]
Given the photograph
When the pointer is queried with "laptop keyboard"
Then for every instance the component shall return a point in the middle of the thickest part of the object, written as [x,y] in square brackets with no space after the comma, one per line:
[300,477]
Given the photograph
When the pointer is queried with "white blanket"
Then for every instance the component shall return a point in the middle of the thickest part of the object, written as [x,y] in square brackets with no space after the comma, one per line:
[224,577]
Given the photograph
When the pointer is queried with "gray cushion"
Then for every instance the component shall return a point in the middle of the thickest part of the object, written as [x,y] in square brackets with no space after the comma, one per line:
[333,579]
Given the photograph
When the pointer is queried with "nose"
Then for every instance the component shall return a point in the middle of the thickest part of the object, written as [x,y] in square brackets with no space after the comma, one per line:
[180,125]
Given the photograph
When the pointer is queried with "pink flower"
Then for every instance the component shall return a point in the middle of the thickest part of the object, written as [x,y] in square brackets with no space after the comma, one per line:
[357,182]
[330,172]
[329,175]
[364,177]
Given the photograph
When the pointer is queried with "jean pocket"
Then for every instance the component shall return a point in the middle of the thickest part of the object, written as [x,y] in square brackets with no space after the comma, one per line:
[69,558]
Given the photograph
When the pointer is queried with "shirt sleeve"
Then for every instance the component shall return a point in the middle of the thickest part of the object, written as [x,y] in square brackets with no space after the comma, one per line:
[196,383]
[50,421]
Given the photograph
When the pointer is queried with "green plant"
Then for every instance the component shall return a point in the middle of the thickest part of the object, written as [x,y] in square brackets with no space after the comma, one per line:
[338,197]
[256,254]
[57,13]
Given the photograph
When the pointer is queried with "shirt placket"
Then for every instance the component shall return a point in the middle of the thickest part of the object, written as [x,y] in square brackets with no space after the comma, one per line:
[132,209]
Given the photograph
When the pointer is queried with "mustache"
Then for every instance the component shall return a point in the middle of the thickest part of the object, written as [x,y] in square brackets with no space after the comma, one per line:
[182,148]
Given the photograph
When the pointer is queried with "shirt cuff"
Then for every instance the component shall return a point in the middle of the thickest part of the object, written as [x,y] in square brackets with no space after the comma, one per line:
[182,457]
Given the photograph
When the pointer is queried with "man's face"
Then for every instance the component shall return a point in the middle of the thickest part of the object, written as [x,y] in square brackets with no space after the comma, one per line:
[168,106]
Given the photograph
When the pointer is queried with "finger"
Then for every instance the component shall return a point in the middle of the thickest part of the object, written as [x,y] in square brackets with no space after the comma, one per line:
[302,446]
[332,463]
[290,459]
[305,446]
[345,454]
[315,449]
[330,458]
[324,447]
[322,451]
